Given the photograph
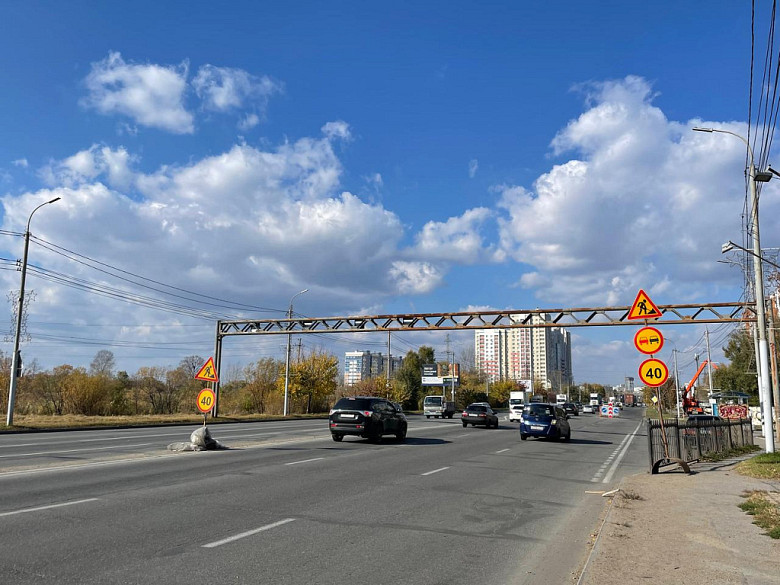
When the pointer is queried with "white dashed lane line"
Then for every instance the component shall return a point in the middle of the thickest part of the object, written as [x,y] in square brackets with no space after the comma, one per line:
[434,471]
[247,533]
[49,507]
[304,461]
[615,458]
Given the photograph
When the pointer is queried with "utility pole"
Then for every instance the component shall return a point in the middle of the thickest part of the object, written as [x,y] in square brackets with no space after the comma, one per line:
[389,362]
[287,360]
[758,273]
[16,358]
[709,359]
[676,381]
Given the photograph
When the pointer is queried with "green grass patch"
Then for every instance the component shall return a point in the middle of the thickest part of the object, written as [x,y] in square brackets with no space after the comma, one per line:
[764,466]
[765,512]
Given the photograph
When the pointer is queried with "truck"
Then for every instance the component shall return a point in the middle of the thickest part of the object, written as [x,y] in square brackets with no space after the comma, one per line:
[437,406]
[516,404]
[560,399]
[629,400]
[595,399]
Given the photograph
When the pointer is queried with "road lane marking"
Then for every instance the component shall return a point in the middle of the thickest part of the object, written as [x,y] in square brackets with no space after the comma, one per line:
[614,467]
[435,471]
[75,450]
[304,461]
[609,459]
[49,507]
[502,451]
[623,449]
[247,533]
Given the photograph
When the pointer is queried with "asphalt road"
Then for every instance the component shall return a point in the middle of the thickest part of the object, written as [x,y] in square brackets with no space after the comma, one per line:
[285,504]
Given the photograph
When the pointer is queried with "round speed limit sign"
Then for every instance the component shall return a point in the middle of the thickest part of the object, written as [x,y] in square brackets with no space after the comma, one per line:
[205,400]
[653,372]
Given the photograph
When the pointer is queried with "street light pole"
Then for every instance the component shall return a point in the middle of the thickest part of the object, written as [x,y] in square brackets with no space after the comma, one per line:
[9,421]
[758,271]
[287,361]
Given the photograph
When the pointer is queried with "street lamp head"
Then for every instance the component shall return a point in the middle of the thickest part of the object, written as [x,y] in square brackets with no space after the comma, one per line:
[55,199]
[727,247]
[697,129]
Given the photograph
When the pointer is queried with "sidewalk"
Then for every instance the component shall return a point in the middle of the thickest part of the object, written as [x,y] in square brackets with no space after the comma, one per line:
[674,528]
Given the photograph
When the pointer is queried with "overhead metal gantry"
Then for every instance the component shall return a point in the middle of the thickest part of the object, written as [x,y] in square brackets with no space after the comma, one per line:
[582,317]
[737,312]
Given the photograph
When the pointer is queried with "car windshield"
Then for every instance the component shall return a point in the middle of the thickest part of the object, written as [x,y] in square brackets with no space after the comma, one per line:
[353,404]
[433,400]
[515,401]
[476,408]
[539,410]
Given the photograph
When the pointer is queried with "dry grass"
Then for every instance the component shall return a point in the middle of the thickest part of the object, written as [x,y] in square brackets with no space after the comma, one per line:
[766,514]
[40,422]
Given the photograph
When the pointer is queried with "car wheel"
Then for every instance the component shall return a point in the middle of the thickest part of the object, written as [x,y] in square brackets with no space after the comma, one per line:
[496,425]
[337,437]
[523,436]
[567,437]
[427,416]
[450,417]
[401,435]
[465,424]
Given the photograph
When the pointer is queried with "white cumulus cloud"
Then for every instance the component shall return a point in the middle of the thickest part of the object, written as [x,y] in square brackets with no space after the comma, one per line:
[151,95]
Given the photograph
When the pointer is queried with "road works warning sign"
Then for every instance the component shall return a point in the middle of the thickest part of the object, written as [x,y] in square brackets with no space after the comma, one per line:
[643,308]
[208,372]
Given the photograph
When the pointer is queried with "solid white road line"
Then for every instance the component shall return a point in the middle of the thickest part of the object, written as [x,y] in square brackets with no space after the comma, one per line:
[502,451]
[614,467]
[18,455]
[435,471]
[304,461]
[39,508]
[248,533]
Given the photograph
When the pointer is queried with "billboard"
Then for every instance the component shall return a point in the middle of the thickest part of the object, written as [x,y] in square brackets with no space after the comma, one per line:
[440,375]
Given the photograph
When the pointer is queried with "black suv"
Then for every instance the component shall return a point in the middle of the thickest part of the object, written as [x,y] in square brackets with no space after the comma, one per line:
[367,417]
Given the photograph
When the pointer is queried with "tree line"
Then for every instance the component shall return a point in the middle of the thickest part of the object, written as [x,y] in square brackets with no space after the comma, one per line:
[255,388]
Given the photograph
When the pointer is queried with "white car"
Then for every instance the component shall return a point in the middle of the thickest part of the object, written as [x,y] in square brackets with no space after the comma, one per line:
[588,408]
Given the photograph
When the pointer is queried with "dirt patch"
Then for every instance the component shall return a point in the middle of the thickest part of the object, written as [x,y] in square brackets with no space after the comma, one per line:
[675,528]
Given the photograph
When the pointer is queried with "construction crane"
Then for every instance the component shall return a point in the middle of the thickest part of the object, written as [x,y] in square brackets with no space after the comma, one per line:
[689,403]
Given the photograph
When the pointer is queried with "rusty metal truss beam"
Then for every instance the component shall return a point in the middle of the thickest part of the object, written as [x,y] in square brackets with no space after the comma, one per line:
[582,317]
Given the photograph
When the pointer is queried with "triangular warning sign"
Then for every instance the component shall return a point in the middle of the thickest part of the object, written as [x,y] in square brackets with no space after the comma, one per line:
[643,307]
[208,372]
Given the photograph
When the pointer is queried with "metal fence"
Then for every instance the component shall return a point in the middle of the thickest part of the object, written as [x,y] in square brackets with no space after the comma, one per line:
[674,441]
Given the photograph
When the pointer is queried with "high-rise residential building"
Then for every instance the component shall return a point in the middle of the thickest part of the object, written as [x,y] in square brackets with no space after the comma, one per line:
[362,365]
[513,353]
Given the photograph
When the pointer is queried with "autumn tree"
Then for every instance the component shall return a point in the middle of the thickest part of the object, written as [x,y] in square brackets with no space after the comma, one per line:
[103,363]
[314,378]
[409,375]
[261,387]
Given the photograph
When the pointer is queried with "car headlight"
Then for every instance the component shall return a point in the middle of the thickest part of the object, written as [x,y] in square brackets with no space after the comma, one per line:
[553,422]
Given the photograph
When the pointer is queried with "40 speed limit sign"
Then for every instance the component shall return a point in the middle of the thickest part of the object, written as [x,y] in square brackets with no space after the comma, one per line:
[653,372]
[205,400]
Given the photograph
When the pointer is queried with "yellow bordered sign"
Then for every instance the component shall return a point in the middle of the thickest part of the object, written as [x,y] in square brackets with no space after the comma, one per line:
[653,372]
[205,400]
[648,340]
[643,307]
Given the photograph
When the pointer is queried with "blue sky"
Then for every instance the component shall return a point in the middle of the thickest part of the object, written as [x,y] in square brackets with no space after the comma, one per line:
[424,157]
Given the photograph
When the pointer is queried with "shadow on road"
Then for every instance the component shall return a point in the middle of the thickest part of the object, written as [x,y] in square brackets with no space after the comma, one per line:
[589,442]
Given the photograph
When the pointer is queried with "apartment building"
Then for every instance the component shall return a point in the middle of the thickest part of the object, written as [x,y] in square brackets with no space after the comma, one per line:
[362,365]
[512,354]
